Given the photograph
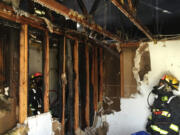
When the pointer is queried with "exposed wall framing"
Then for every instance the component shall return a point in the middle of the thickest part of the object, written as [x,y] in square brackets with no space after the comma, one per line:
[96,76]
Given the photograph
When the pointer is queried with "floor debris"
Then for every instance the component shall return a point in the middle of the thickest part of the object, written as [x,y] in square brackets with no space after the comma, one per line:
[19,130]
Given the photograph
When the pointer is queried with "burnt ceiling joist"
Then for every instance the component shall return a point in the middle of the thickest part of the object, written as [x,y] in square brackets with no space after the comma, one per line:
[132,19]
[75,16]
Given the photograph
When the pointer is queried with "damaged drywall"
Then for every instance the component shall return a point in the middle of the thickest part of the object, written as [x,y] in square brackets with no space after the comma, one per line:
[164,58]
[142,64]
[99,127]
[56,127]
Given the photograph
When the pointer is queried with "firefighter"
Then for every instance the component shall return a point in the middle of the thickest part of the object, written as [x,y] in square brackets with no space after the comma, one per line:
[35,96]
[165,110]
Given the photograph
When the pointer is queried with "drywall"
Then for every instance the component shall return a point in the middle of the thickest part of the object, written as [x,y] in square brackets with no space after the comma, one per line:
[165,58]
[40,124]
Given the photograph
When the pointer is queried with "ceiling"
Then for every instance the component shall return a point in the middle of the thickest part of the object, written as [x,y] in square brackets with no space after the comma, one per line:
[162,17]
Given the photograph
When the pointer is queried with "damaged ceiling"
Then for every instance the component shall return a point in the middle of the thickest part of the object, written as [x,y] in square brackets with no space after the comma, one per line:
[145,17]
[161,17]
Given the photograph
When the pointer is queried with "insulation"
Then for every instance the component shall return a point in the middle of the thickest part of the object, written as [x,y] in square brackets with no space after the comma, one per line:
[14,3]
[99,127]
[5,105]
[18,130]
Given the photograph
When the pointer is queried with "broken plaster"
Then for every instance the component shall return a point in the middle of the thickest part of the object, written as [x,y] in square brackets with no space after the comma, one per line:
[142,64]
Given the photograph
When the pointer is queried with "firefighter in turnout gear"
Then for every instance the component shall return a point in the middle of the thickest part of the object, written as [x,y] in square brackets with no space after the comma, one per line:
[165,116]
[35,95]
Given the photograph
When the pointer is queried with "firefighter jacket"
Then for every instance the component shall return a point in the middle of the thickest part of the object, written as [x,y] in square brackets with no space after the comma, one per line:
[165,115]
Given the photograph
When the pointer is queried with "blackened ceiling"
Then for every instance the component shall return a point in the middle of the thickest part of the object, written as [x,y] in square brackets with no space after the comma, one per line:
[162,17]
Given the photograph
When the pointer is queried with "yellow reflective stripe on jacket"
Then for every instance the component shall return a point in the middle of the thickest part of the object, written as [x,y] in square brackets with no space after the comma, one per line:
[166,114]
[157,129]
[174,127]
[150,117]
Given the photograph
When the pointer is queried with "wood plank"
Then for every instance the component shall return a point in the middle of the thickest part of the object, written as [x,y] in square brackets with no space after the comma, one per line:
[23,80]
[122,73]
[96,79]
[76,86]
[63,76]
[101,75]
[87,105]
[46,73]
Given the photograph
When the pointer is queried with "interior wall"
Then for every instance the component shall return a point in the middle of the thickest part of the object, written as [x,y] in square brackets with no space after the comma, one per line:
[165,58]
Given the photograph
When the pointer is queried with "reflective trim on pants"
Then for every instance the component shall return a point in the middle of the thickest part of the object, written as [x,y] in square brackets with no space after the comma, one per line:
[157,129]
[174,127]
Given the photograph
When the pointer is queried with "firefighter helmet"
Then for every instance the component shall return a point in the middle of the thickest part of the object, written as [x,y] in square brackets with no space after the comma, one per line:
[38,74]
[170,81]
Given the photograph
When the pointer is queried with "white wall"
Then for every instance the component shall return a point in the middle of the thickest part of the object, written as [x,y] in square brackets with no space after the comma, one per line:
[40,124]
[165,58]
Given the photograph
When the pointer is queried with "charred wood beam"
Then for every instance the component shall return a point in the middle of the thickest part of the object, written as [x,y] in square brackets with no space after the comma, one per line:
[75,16]
[122,74]
[70,94]
[83,7]
[94,7]
[76,86]
[92,76]
[133,19]
[87,105]
[101,75]
[96,78]
[64,81]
